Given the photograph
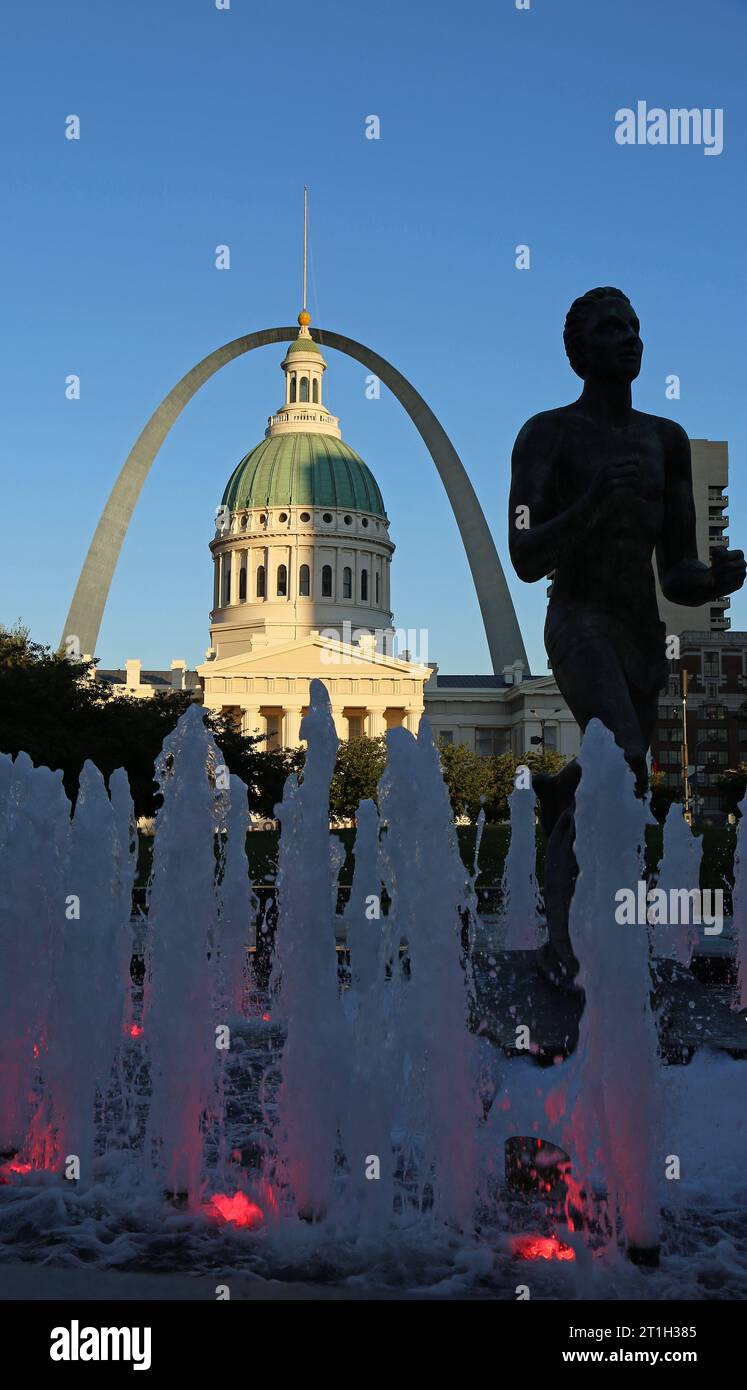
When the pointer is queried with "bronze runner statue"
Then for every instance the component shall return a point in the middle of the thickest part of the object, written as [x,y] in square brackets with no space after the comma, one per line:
[596,488]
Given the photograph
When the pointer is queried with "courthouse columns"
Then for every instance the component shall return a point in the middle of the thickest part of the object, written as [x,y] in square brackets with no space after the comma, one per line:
[291,726]
[251,723]
[376,723]
[235,565]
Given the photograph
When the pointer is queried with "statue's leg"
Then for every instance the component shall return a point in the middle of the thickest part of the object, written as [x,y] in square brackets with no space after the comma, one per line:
[556,958]
[555,793]
[594,686]
[555,797]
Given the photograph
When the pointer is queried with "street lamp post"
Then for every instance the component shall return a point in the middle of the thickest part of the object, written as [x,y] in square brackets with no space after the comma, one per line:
[543,719]
[685,778]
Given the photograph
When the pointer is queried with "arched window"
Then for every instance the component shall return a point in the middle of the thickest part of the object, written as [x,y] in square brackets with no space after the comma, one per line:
[315,391]
[304,581]
[304,388]
[326,581]
[364,585]
[347,582]
[377,588]
[260,581]
[282,581]
[226,579]
[293,388]
[242,586]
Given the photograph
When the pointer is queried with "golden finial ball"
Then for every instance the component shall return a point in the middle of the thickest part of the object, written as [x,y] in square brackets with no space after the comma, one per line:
[304,318]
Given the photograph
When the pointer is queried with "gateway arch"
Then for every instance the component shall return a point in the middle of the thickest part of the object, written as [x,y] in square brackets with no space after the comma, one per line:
[92,590]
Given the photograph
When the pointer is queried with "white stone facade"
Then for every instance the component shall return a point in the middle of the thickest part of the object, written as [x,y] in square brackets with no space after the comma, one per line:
[283,572]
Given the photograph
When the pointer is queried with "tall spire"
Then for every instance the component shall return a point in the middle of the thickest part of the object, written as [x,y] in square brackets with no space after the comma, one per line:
[304,318]
[305,239]
[304,367]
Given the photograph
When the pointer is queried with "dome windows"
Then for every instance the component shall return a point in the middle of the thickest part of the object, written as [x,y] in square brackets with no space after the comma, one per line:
[378,587]
[282,582]
[364,521]
[304,390]
[347,582]
[283,518]
[364,586]
[305,516]
[293,389]
[315,391]
[260,581]
[348,520]
[327,517]
[242,586]
[304,581]
[326,581]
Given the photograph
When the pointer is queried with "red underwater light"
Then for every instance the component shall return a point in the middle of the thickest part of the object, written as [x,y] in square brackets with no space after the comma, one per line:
[535,1247]
[236,1210]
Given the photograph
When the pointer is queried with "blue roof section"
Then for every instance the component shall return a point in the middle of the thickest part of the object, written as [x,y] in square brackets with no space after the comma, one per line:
[476,682]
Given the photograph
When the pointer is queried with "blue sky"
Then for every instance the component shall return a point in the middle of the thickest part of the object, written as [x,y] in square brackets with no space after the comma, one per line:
[200,127]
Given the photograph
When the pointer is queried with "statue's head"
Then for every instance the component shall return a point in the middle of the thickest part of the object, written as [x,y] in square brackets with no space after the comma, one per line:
[602,336]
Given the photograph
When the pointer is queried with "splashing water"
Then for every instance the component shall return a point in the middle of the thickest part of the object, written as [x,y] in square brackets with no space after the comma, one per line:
[378,1064]
[91,960]
[427,890]
[372,1003]
[739,900]
[617,1100]
[680,869]
[314,1059]
[183,919]
[34,849]
[239,905]
[520,894]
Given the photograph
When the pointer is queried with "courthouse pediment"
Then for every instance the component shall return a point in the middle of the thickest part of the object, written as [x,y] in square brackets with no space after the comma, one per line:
[311,657]
[267,687]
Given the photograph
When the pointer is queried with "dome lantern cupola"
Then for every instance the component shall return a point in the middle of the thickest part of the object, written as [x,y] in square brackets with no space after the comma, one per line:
[304,367]
[303,544]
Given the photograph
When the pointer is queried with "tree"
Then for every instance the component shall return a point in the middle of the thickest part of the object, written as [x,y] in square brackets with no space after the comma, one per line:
[46,705]
[477,783]
[360,763]
[503,768]
[467,777]
[54,710]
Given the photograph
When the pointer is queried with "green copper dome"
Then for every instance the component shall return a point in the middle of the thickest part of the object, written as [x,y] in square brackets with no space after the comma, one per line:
[303,470]
[304,345]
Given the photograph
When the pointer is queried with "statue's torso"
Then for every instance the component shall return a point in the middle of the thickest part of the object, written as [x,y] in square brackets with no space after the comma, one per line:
[605,586]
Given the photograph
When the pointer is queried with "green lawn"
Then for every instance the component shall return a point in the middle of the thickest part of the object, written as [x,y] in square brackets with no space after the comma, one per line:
[262,850]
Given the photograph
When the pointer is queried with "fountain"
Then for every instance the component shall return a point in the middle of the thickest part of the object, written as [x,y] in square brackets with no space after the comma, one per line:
[181,987]
[614,1111]
[739,901]
[355,1098]
[314,1056]
[521,903]
[680,869]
